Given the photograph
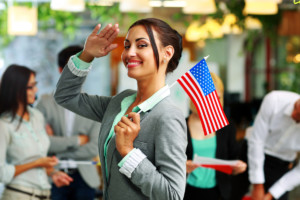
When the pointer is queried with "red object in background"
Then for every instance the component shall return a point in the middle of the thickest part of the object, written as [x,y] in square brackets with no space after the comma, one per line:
[222,168]
[246,198]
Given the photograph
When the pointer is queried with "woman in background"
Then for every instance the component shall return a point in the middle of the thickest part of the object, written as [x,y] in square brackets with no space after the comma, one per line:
[24,144]
[205,183]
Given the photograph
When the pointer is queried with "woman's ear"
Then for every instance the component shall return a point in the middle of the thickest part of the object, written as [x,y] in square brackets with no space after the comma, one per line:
[169,52]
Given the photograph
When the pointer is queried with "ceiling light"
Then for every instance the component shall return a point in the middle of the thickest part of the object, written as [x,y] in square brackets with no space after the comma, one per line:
[155,3]
[261,7]
[68,5]
[200,7]
[22,20]
[175,3]
[139,6]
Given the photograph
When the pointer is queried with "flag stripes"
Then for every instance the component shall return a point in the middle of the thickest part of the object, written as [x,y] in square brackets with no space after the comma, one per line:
[209,108]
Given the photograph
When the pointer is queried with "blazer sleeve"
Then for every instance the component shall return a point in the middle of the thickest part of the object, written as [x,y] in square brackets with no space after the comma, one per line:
[166,178]
[68,95]
[57,143]
[89,150]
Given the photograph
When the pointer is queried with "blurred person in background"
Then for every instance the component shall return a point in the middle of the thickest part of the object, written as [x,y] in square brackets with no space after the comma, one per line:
[142,155]
[24,165]
[72,138]
[206,183]
[273,146]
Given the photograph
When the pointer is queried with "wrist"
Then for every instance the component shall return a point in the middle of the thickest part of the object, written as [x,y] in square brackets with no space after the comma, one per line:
[86,57]
[258,185]
[124,152]
[53,172]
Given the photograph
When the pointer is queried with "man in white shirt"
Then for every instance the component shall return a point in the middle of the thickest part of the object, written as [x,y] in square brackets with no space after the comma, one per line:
[273,146]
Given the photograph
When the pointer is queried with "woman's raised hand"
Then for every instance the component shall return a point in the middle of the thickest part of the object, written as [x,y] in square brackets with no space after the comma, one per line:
[126,132]
[98,45]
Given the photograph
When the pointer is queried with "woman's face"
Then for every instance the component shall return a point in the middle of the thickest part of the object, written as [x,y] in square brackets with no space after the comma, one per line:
[31,89]
[138,56]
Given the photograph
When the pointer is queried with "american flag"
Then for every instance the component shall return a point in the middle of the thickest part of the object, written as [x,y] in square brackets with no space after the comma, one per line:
[198,84]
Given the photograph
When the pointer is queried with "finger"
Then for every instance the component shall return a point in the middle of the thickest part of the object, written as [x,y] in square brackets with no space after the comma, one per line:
[122,125]
[111,47]
[127,121]
[112,34]
[105,30]
[135,117]
[96,29]
[117,129]
[111,31]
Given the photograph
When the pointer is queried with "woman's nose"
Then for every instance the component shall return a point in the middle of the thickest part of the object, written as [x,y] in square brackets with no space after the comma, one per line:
[132,51]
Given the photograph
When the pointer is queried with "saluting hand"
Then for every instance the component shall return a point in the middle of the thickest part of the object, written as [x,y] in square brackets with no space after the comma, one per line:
[98,45]
[126,131]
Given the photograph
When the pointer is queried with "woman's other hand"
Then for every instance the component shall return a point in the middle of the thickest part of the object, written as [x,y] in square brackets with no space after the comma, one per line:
[126,132]
[46,162]
[98,45]
[240,167]
[191,166]
[60,179]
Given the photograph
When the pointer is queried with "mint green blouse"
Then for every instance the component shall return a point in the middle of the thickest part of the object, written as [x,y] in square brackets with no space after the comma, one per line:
[203,177]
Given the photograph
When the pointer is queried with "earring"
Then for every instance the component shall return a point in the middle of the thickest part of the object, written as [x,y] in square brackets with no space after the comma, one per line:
[164,61]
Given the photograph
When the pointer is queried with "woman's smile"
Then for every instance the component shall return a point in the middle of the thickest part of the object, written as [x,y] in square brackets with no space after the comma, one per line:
[133,63]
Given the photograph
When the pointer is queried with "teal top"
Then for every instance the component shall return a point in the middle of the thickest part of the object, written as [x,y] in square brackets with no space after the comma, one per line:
[126,102]
[203,177]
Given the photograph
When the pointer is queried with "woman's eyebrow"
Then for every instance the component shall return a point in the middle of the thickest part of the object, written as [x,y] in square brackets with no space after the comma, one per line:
[126,40]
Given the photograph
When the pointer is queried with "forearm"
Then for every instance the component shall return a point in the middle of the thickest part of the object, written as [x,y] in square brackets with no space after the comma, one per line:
[286,183]
[25,167]
[62,144]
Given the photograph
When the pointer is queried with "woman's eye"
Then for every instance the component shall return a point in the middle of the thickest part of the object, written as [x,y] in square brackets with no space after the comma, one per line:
[126,46]
[142,45]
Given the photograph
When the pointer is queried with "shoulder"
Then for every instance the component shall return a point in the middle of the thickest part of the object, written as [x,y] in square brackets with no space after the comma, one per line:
[280,95]
[35,113]
[280,98]
[46,98]
[167,110]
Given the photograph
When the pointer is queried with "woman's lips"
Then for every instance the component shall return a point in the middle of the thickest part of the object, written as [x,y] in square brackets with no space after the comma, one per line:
[132,64]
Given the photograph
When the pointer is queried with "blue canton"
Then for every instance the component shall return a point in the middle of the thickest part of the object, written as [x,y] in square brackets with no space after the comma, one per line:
[201,74]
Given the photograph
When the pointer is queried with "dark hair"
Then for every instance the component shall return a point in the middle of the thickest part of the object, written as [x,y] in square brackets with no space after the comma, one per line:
[65,54]
[13,89]
[166,35]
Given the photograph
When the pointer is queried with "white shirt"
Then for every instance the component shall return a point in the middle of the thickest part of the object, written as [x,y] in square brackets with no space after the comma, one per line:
[275,133]
[69,123]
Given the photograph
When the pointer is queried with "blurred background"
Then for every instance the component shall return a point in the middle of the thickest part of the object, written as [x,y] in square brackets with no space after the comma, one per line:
[253,45]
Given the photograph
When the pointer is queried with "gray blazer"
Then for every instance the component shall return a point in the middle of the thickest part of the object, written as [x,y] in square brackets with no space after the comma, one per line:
[162,138]
[68,147]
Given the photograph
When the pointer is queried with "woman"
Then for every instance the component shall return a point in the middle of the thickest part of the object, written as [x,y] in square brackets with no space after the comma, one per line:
[203,182]
[24,164]
[142,155]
